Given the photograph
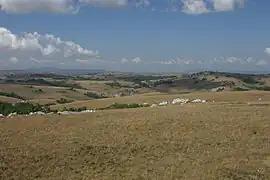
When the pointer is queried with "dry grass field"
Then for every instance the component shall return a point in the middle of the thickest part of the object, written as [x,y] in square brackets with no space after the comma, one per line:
[222,97]
[49,93]
[9,99]
[214,141]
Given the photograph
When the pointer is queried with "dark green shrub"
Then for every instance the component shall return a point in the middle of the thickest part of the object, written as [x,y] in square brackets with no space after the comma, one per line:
[249,80]
[38,91]
[21,108]
[72,109]
[95,95]
[125,106]
[64,101]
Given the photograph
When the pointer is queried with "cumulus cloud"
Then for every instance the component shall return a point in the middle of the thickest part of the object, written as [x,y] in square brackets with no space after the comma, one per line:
[64,6]
[261,63]
[25,6]
[136,60]
[205,6]
[29,46]
[124,60]
[181,61]
[194,7]
[133,60]
[14,59]
[234,60]
[240,62]
[267,51]
[106,3]
[231,60]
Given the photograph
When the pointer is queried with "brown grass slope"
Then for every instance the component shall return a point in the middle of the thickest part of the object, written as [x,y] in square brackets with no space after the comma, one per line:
[227,97]
[9,99]
[49,94]
[206,142]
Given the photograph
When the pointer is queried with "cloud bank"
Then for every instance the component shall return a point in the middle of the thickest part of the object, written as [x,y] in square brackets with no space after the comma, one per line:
[37,47]
[73,6]
[22,50]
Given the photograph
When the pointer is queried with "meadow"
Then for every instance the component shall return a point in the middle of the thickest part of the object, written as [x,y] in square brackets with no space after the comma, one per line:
[226,139]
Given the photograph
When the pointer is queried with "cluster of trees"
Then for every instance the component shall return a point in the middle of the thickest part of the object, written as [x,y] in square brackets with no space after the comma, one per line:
[125,106]
[37,91]
[249,80]
[116,84]
[22,108]
[12,94]
[40,81]
[80,109]
[95,95]
[64,101]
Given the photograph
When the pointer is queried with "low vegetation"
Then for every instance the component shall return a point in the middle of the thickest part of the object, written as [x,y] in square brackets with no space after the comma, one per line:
[64,101]
[42,82]
[37,91]
[21,108]
[12,94]
[206,142]
[80,109]
[95,95]
[249,80]
[124,106]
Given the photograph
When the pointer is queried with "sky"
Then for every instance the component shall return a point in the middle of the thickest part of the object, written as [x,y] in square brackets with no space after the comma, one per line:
[136,35]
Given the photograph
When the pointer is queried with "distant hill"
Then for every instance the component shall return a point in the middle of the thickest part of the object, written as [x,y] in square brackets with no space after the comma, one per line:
[55,71]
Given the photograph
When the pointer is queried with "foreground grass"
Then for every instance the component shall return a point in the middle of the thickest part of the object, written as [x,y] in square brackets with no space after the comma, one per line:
[203,142]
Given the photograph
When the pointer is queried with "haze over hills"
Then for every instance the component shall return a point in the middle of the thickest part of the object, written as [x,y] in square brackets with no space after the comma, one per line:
[55,71]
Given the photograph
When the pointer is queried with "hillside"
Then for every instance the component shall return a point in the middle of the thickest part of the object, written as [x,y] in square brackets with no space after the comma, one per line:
[224,140]
[225,137]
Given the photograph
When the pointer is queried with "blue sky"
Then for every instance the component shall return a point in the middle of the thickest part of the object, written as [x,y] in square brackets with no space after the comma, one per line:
[227,35]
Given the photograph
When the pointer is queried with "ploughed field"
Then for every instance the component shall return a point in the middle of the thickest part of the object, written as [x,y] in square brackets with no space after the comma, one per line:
[229,139]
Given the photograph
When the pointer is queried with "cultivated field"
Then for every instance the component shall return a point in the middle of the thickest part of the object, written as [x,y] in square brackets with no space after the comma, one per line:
[228,139]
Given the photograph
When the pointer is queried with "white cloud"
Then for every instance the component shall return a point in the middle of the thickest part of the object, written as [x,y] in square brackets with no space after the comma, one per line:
[65,6]
[248,61]
[25,6]
[261,63]
[223,61]
[227,5]
[13,60]
[106,3]
[194,6]
[136,60]
[91,60]
[205,6]
[29,46]
[133,60]
[124,60]
[267,51]
[181,61]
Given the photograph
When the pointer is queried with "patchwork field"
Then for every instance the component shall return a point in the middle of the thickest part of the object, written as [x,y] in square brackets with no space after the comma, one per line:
[220,97]
[226,138]
[223,140]
[43,94]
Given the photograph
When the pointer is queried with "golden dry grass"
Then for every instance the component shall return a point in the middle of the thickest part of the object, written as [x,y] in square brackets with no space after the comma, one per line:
[157,97]
[49,93]
[205,142]
[100,86]
[9,99]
